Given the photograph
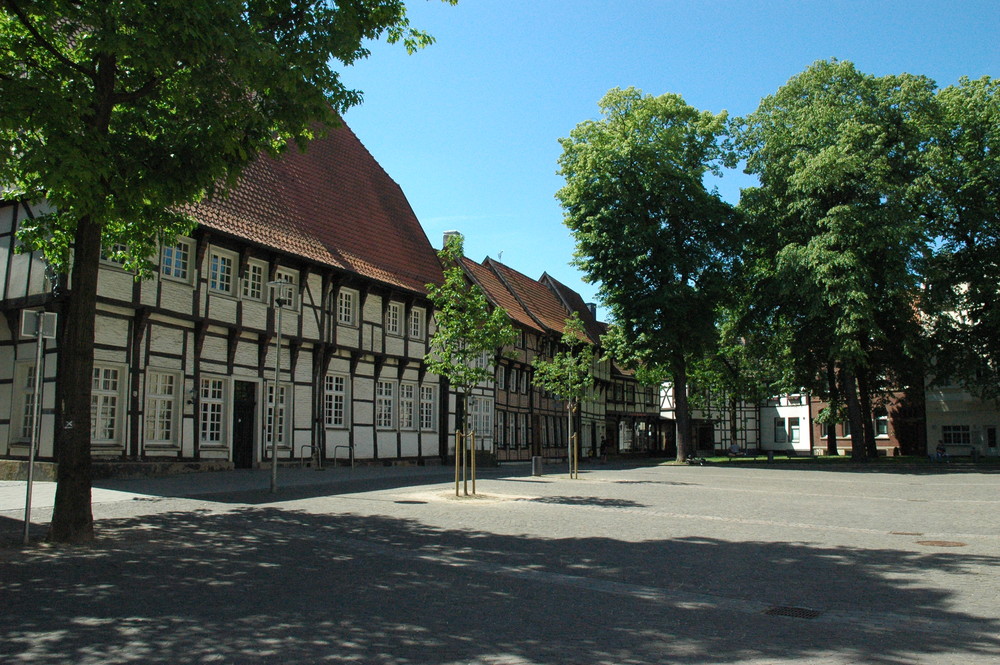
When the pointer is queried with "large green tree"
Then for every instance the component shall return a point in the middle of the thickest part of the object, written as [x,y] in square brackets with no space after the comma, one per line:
[839,222]
[117,112]
[647,230]
[963,301]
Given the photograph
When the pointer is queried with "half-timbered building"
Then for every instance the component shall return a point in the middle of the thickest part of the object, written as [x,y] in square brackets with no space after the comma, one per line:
[201,363]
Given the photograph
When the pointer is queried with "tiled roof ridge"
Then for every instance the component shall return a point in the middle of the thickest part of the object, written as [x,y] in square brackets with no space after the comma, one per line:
[499,268]
[521,315]
[578,304]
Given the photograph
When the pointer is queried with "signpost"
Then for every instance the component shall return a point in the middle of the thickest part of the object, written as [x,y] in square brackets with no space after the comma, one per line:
[41,326]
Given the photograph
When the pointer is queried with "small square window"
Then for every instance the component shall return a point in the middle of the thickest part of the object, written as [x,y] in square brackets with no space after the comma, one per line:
[175,261]
[347,307]
[253,280]
[417,323]
[393,318]
[881,422]
[221,267]
[114,253]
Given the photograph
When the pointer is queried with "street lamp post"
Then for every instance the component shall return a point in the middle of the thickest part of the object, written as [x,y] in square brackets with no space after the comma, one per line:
[279,290]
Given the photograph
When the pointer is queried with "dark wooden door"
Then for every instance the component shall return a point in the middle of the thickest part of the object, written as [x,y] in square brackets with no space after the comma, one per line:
[244,423]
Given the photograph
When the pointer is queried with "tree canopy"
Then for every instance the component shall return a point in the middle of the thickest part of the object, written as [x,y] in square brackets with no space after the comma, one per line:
[468,328]
[647,230]
[117,113]
[963,160]
[839,208]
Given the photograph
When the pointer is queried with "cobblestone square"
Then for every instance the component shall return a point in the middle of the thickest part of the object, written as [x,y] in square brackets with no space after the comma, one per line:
[658,564]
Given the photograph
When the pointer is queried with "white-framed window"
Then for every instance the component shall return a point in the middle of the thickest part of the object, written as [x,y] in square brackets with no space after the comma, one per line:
[276,416]
[481,415]
[522,430]
[428,409]
[525,381]
[482,361]
[114,254]
[221,271]
[253,280]
[175,260]
[780,434]
[881,422]
[105,404]
[162,391]
[847,427]
[393,318]
[335,400]
[385,405]
[211,411]
[512,429]
[24,386]
[347,307]
[501,377]
[416,325]
[407,406]
[515,379]
[956,434]
[519,340]
[793,430]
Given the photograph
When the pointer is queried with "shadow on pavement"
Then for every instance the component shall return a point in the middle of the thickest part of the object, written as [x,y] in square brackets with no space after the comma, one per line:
[263,585]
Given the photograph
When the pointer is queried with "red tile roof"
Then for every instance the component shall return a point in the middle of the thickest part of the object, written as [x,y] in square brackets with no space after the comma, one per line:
[332,204]
[575,303]
[499,295]
[540,302]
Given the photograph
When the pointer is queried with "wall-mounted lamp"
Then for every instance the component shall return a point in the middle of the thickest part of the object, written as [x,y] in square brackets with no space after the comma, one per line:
[192,394]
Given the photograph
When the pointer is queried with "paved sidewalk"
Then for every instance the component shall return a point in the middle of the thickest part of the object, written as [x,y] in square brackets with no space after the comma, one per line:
[625,566]
[251,486]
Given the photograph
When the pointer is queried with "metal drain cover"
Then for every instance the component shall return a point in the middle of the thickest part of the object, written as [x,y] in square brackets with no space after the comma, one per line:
[940,543]
[796,612]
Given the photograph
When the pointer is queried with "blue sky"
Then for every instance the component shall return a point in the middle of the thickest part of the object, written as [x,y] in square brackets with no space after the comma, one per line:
[469,127]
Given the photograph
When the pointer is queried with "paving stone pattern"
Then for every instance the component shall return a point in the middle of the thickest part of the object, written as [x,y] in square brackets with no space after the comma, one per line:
[646,565]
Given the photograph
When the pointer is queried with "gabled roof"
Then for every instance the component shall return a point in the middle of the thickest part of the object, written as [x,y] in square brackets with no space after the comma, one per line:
[332,204]
[573,301]
[540,302]
[499,295]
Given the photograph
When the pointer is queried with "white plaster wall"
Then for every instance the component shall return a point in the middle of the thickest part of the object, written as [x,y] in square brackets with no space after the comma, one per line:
[163,340]
[364,442]
[221,308]
[115,283]
[175,296]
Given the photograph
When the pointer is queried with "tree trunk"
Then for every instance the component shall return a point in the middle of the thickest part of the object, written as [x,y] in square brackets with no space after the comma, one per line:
[682,410]
[72,517]
[867,414]
[834,408]
[849,387]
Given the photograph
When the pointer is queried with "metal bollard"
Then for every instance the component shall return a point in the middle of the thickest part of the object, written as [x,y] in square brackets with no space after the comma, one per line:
[536,465]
